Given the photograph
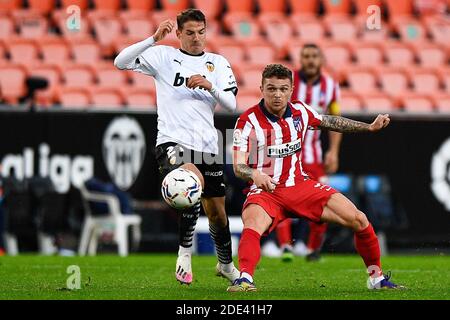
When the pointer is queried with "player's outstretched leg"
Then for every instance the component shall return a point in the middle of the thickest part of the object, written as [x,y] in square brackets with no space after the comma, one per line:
[341,210]
[316,238]
[219,228]
[284,236]
[256,222]
[188,221]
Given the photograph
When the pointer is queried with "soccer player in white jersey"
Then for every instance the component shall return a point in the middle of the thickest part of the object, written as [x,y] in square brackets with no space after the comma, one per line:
[271,133]
[189,84]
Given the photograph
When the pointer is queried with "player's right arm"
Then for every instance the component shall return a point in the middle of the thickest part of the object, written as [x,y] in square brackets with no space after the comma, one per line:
[241,151]
[128,58]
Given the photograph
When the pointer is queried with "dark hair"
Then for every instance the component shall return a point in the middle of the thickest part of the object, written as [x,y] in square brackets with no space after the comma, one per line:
[190,15]
[311,45]
[276,70]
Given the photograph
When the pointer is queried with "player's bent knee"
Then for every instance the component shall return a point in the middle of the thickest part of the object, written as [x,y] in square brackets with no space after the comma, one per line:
[194,169]
[361,222]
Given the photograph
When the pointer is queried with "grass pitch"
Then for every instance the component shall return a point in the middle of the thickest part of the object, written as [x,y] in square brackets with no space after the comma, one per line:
[151,276]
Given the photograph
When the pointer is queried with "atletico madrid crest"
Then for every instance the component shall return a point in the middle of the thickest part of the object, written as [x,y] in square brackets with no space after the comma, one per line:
[297,124]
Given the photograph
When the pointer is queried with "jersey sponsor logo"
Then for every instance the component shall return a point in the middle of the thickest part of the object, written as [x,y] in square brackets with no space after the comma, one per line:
[440,174]
[179,80]
[285,149]
[124,150]
[210,66]
[237,138]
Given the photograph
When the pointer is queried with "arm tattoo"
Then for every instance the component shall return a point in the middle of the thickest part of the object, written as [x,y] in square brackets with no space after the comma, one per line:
[244,172]
[342,124]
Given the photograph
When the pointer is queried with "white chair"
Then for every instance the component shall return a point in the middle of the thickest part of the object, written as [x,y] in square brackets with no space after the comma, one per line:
[93,225]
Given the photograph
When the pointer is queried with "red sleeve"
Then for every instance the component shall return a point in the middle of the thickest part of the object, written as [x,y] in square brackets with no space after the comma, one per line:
[242,131]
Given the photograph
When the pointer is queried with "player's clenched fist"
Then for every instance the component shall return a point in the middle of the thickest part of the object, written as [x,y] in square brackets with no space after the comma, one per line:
[198,81]
[263,181]
[382,121]
[163,29]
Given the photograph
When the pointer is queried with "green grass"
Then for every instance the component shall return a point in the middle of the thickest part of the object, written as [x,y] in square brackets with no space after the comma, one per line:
[152,277]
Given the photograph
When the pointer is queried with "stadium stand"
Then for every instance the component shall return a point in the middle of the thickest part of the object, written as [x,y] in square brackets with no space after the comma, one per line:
[406,57]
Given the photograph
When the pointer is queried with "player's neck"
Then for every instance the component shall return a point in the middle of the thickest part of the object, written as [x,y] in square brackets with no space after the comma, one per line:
[312,79]
[279,113]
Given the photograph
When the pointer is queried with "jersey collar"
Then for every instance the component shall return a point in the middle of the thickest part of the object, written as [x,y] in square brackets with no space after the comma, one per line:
[304,79]
[272,117]
[190,54]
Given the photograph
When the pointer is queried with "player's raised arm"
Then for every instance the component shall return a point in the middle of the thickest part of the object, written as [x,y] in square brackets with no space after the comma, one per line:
[341,124]
[126,59]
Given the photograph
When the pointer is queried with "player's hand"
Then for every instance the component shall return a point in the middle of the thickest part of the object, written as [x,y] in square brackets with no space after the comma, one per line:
[164,28]
[331,162]
[382,121]
[198,81]
[263,181]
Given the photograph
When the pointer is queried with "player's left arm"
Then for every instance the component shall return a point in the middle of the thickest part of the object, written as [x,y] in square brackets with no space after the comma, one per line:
[345,125]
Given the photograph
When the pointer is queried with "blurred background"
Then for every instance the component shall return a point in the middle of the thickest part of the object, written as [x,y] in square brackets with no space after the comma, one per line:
[64,108]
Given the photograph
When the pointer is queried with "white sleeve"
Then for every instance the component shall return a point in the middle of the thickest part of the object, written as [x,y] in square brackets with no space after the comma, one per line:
[225,89]
[136,57]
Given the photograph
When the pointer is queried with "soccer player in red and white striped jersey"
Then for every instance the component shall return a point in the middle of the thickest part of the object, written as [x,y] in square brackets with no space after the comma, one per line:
[321,92]
[267,145]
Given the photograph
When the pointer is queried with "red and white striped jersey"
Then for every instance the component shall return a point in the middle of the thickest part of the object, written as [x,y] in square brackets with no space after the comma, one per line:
[274,144]
[320,96]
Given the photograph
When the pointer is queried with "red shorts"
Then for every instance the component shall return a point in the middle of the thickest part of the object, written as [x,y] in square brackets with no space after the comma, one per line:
[315,170]
[306,199]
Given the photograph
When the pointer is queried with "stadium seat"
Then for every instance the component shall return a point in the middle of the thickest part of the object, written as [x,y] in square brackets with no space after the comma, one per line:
[409,29]
[143,6]
[350,102]
[55,52]
[106,31]
[260,53]
[175,5]
[369,33]
[394,81]
[78,98]
[23,51]
[33,27]
[247,98]
[231,49]
[211,8]
[72,33]
[444,76]
[398,54]
[424,80]
[431,55]
[9,6]
[243,27]
[308,28]
[340,28]
[144,99]
[107,98]
[12,82]
[43,7]
[241,6]
[6,28]
[368,54]
[48,96]
[441,102]
[270,6]
[110,76]
[107,5]
[142,81]
[278,31]
[399,8]
[337,56]
[82,4]
[80,76]
[416,103]
[251,77]
[138,28]
[304,7]
[85,52]
[431,7]
[439,28]
[362,5]
[361,80]
[378,102]
[333,7]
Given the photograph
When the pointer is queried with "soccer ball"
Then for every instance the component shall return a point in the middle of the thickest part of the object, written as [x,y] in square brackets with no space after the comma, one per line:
[181,188]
